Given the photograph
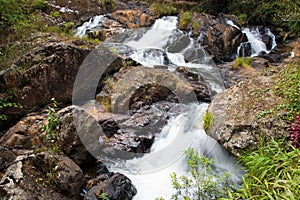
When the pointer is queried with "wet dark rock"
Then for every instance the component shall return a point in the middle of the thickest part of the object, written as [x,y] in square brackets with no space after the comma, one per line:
[283,51]
[146,86]
[116,186]
[219,38]
[179,44]
[201,89]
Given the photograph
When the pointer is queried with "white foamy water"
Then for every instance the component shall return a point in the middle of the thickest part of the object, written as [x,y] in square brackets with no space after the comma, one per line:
[151,173]
[158,35]
[91,24]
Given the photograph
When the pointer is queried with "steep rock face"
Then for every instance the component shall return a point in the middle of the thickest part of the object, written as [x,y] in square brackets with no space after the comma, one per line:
[50,72]
[219,38]
[235,123]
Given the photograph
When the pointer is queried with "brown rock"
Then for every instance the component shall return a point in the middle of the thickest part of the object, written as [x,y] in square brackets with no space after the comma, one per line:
[26,134]
[133,18]
[235,112]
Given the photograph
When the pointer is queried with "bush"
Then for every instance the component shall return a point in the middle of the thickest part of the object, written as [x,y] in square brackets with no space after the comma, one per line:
[295,132]
[203,183]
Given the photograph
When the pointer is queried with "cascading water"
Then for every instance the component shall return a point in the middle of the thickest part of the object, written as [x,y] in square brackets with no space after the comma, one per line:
[89,25]
[255,41]
[163,44]
[151,173]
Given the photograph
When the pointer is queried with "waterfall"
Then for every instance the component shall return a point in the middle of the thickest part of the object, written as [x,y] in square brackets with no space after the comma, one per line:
[164,44]
[255,41]
[91,24]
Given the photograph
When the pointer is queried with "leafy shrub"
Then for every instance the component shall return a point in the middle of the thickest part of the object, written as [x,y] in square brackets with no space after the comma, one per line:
[288,87]
[272,172]
[52,124]
[202,183]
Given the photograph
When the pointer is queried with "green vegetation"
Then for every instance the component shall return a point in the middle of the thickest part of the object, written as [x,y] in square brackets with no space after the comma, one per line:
[162,8]
[284,13]
[203,183]
[7,103]
[241,62]
[207,120]
[103,196]
[108,5]
[287,86]
[185,18]
[272,172]
[51,126]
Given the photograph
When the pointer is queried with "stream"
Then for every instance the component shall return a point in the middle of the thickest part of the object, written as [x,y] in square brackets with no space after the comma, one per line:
[163,45]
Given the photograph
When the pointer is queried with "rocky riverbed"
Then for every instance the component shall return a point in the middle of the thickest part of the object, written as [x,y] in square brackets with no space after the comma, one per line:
[124,101]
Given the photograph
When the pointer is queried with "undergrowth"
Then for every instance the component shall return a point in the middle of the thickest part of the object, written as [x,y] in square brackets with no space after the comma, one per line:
[241,62]
[51,126]
[287,86]
[272,172]
[202,183]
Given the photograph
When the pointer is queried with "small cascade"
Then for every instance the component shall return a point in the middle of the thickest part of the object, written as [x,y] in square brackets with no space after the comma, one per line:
[255,43]
[89,25]
[159,34]
[231,23]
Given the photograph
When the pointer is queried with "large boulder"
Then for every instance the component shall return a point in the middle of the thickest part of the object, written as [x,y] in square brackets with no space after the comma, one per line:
[214,33]
[138,86]
[236,123]
[75,125]
[50,72]
[46,175]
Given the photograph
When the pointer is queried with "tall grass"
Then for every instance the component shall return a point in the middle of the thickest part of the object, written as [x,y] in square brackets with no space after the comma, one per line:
[272,172]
